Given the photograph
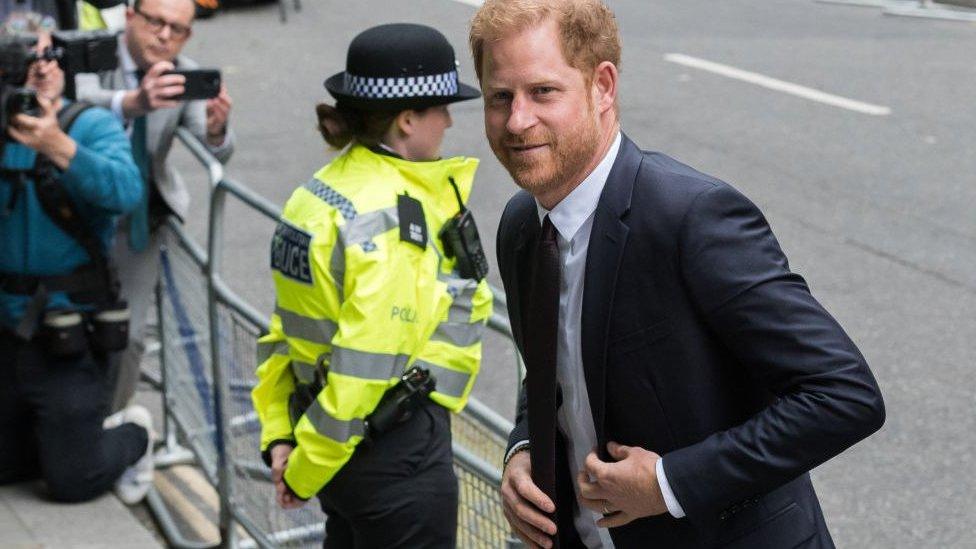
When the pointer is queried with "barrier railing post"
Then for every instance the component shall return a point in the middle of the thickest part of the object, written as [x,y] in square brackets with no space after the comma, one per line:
[225,463]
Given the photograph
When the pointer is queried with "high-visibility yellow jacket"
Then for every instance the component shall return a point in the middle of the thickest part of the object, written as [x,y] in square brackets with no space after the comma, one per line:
[360,300]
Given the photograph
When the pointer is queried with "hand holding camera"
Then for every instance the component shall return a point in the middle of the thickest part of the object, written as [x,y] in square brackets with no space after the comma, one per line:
[218,110]
[157,90]
[43,134]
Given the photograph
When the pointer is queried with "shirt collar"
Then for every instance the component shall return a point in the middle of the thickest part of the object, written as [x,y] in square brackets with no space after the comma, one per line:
[570,214]
[125,59]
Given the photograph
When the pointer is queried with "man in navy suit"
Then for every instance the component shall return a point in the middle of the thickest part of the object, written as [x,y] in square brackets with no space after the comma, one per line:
[681,381]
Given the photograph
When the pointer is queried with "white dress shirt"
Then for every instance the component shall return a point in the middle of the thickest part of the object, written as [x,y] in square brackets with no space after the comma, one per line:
[573,220]
[130,72]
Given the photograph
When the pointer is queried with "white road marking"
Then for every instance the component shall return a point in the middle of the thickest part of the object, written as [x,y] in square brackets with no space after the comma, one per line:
[187,512]
[197,483]
[475,3]
[778,85]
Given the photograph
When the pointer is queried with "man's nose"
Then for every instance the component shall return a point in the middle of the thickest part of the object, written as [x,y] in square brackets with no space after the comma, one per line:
[521,116]
[165,33]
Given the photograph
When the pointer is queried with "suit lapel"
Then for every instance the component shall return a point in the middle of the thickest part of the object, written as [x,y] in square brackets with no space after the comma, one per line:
[604,254]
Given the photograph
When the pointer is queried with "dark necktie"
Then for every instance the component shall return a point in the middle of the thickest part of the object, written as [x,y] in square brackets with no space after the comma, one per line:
[540,350]
[139,218]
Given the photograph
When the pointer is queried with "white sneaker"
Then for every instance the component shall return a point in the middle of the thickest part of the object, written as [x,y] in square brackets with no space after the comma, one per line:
[137,478]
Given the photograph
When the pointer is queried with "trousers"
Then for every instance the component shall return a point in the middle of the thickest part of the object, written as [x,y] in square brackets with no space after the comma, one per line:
[138,273]
[399,491]
[51,413]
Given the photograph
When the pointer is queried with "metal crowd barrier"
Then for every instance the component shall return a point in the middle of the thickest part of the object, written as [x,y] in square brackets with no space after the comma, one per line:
[207,336]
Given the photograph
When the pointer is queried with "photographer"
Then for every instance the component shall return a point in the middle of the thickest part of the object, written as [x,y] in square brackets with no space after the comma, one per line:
[146,100]
[60,315]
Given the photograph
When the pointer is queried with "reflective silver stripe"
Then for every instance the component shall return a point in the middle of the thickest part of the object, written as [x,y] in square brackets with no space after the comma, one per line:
[462,290]
[338,430]
[337,266]
[304,372]
[449,382]
[318,330]
[365,365]
[359,230]
[459,334]
[365,227]
[265,350]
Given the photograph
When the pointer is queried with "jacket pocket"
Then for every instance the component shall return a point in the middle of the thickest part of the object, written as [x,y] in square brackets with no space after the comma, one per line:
[786,529]
[636,340]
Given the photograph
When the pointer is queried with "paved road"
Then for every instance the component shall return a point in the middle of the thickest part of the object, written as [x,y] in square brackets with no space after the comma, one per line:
[875,211]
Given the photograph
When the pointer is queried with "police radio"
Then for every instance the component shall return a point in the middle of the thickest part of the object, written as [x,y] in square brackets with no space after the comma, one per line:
[461,241]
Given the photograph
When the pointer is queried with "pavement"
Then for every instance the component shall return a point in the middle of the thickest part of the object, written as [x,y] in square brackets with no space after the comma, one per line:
[874,210]
[29,522]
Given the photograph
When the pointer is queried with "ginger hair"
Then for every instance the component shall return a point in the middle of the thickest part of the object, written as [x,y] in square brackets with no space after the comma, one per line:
[587,28]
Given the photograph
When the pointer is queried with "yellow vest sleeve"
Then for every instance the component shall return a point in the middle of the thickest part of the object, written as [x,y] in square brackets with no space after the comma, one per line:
[275,384]
[453,352]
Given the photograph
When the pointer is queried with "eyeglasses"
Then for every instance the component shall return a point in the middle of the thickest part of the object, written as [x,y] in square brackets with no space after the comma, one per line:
[156,25]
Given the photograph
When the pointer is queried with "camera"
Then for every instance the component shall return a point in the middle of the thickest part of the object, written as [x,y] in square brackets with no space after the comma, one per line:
[83,51]
[75,52]
[16,56]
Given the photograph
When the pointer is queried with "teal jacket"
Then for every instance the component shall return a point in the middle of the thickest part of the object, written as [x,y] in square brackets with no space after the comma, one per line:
[103,182]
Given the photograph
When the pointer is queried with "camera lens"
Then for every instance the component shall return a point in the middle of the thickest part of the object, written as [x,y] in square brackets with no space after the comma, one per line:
[23,101]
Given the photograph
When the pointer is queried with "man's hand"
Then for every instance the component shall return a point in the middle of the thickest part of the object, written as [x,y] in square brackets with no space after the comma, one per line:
[156,91]
[279,462]
[524,503]
[44,135]
[622,491]
[218,110]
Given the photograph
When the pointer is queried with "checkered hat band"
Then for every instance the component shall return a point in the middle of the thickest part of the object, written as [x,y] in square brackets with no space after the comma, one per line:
[445,84]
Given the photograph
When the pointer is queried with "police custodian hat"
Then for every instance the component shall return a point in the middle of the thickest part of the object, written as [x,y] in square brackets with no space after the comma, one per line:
[399,66]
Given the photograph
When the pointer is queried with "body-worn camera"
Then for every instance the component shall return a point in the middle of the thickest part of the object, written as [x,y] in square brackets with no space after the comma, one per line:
[461,241]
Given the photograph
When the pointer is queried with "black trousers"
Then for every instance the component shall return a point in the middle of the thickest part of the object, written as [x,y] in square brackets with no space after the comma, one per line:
[51,413]
[400,491]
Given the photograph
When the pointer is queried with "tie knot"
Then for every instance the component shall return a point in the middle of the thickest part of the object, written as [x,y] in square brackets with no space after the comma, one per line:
[548,229]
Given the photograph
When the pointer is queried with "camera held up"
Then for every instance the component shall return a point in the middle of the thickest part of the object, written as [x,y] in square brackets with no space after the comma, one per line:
[75,51]
[16,55]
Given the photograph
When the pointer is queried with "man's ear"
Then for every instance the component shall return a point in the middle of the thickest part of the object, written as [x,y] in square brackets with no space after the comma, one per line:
[604,87]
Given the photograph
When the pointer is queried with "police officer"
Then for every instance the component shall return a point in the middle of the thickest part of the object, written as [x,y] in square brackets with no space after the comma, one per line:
[66,173]
[381,303]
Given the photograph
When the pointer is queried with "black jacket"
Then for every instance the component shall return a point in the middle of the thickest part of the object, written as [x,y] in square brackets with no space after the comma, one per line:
[699,344]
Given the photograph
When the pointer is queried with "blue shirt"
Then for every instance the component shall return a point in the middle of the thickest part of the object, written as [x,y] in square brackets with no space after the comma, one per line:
[102,181]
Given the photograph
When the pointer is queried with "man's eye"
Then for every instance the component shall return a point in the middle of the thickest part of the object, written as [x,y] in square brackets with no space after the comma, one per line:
[542,90]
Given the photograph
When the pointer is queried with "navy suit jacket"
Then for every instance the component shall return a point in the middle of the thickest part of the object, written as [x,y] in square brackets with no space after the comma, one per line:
[699,344]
